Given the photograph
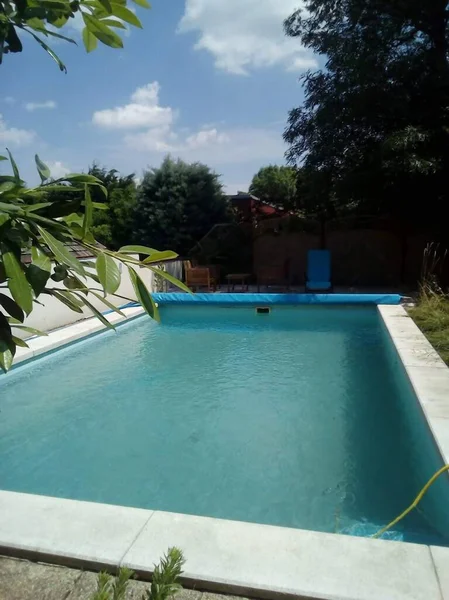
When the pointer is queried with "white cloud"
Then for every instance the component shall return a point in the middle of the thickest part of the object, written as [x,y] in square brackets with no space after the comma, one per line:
[142,111]
[57,168]
[13,136]
[157,135]
[206,137]
[244,35]
[32,106]
[9,100]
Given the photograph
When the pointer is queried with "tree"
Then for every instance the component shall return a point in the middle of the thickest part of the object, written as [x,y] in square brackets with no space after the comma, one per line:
[375,121]
[114,227]
[179,203]
[275,185]
[39,18]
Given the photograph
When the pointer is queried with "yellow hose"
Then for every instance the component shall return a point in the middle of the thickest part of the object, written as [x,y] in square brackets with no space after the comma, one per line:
[415,503]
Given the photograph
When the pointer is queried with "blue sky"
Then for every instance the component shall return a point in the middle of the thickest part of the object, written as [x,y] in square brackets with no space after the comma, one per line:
[208,80]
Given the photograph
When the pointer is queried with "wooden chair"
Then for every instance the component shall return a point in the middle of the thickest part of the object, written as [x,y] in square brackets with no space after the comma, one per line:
[198,277]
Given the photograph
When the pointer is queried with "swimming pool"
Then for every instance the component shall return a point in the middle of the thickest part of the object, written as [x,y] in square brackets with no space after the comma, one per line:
[302,417]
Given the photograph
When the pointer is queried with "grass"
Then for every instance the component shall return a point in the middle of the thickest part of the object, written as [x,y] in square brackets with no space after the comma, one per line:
[431,314]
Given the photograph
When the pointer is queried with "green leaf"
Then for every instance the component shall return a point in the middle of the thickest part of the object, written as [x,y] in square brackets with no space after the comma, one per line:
[81,178]
[4,218]
[108,304]
[60,273]
[37,278]
[89,40]
[102,32]
[17,282]
[73,283]
[6,359]
[160,257]
[137,250]
[95,311]
[44,171]
[30,329]
[126,15]
[88,208]
[14,167]
[49,51]
[113,23]
[106,5]
[59,36]
[35,207]
[67,299]
[7,186]
[12,307]
[19,342]
[108,273]
[60,251]
[142,3]
[143,295]
[171,279]
[40,259]
[3,157]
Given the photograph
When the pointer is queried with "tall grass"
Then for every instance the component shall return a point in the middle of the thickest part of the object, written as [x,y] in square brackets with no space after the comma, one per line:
[431,312]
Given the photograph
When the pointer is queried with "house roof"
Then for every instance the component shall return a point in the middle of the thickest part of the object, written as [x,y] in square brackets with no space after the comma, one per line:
[77,250]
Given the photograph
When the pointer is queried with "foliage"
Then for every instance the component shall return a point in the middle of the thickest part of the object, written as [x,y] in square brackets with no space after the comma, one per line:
[164,582]
[433,262]
[431,312]
[374,120]
[43,18]
[275,185]
[178,203]
[113,226]
[29,221]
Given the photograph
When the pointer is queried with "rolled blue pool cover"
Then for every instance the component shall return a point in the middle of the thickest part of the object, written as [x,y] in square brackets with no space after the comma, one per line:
[270,299]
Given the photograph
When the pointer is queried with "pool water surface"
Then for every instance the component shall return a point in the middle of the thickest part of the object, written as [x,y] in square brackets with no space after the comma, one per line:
[302,417]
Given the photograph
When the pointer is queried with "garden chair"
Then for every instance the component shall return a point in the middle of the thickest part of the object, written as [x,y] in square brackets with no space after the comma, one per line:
[318,276]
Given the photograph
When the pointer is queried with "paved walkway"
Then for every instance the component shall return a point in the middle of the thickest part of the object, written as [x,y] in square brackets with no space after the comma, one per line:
[23,580]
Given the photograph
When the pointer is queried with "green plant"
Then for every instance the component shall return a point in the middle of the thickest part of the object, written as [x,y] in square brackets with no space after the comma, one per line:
[113,588]
[178,203]
[164,583]
[433,261]
[39,18]
[29,221]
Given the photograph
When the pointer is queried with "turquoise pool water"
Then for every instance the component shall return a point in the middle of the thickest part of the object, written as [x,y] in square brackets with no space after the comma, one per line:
[300,418]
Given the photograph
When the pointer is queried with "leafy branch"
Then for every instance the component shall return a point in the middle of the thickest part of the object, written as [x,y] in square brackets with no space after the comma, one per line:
[43,18]
[28,221]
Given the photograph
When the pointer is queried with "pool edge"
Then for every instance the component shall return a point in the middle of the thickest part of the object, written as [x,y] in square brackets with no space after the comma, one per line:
[221,556]
[428,374]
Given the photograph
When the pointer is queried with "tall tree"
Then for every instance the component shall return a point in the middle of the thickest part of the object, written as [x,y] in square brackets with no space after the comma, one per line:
[114,227]
[375,120]
[180,203]
[275,185]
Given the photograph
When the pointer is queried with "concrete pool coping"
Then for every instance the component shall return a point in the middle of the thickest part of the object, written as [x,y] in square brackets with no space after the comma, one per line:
[235,557]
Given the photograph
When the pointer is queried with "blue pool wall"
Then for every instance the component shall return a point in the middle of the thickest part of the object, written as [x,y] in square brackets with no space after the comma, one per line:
[271,299]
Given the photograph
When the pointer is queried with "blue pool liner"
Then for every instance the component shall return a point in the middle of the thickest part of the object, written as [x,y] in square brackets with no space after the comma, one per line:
[270,299]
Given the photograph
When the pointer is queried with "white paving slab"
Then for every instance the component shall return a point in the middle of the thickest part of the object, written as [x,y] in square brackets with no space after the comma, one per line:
[59,337]
[427,372]
[441,560]
[68,531]
[270,561]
